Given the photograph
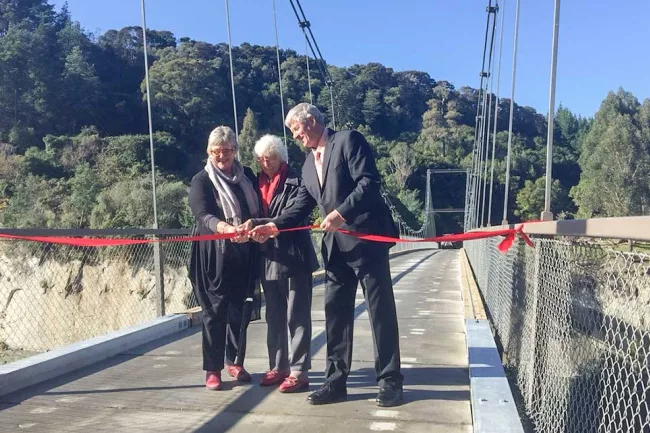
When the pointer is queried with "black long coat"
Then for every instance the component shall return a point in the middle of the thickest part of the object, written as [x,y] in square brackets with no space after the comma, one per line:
[212,283]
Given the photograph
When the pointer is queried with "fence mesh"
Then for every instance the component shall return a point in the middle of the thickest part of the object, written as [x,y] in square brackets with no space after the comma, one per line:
[573,318]
[52,295]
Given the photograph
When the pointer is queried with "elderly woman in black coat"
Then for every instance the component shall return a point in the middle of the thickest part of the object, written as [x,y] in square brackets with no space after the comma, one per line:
[288,262]
[223,273]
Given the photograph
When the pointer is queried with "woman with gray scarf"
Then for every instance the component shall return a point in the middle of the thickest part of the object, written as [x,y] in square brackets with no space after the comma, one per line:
[223,273]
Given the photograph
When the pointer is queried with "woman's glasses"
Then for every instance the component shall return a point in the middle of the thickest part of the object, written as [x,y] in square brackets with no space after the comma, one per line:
[223,151]
[267,158]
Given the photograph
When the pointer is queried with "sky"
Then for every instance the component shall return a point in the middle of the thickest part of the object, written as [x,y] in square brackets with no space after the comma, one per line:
[602,45]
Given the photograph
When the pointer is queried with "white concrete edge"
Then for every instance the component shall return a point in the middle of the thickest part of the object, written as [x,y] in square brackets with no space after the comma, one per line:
[49,365]
[492,402]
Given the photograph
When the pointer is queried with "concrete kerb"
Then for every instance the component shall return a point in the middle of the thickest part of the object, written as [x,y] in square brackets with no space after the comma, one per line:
[492,402]
[57,362]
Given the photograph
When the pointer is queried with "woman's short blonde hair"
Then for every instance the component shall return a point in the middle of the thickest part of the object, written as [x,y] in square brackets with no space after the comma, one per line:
[271,145]
[222,135]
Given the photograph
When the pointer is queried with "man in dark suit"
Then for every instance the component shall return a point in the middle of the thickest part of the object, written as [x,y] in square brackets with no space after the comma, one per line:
[341,177]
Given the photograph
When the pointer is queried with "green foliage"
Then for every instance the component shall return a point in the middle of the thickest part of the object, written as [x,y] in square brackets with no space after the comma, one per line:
[410,200]
[35,202]
[615,160]
[530,199]
[399,165]
[247,138]
[74,150]
[129,203]
[84,187]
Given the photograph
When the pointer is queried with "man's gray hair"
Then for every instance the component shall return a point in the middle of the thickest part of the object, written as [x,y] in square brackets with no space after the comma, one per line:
[271,145]
[222,135]
[303,112]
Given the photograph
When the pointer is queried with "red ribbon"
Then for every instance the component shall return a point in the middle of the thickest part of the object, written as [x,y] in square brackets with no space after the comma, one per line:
[503,246]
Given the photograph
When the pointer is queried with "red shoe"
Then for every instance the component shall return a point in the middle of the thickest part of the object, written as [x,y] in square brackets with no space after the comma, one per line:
[238,372]
[294,384]
[213,380]
[273,377]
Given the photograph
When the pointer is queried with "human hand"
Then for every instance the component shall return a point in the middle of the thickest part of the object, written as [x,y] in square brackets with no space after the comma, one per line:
[245,227]
[260,238]
[263,232]
[332,222]
[240,238]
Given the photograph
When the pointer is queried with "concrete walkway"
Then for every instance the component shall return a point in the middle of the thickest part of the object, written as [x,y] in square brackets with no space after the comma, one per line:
[159,387]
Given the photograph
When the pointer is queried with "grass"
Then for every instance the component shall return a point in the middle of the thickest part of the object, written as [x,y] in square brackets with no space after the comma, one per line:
[637,247]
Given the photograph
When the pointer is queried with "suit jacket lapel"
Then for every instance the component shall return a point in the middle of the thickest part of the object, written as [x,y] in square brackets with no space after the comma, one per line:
[310,177]
[329,150]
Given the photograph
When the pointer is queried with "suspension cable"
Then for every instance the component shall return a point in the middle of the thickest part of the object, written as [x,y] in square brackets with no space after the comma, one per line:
[146,79]
[476,207]
[487,151]
[479,165]
[486,134]
[475,149]
[512,107]
[311,98]
[496,109]
[232,74]
[320,62]
[277,53]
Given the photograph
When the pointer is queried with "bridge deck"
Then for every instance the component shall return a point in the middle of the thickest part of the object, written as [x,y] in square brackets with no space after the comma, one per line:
[159,387]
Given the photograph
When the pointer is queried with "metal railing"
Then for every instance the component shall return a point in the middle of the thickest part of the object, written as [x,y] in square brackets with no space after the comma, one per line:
[52,295]
[573,318]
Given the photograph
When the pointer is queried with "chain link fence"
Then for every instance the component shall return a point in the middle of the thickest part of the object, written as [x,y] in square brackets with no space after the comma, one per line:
[52,295]
[573,319]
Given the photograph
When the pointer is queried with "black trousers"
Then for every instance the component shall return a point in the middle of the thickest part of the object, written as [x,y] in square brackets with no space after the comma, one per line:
[340,293]
[221,335]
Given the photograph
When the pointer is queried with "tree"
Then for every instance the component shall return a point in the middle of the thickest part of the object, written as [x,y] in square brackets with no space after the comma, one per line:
[81,89]
[35,202]
[530,199]
[189,95]
[400,166]
[615,161]
[128,203]
[247,137]
[73,116]
[409,198]
[78,205]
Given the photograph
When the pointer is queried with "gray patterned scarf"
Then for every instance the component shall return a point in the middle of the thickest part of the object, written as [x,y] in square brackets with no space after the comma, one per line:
[229,203]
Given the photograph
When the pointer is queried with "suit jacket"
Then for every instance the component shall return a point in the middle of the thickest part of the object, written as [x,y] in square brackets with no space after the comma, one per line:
[351,185]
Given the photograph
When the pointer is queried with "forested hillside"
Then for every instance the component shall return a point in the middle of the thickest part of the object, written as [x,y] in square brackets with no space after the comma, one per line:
[74,149]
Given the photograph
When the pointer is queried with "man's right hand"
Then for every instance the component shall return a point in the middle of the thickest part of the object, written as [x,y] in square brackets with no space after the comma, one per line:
[263,232]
